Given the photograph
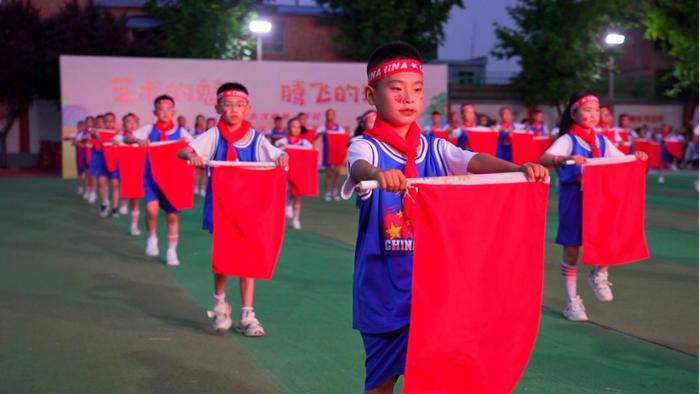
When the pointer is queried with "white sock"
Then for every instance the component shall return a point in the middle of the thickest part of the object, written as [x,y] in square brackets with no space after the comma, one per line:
[153,237]
[297,212]
[135,218]
[603,269]
[219,298]
[568,273]
[246,310]
[172,241]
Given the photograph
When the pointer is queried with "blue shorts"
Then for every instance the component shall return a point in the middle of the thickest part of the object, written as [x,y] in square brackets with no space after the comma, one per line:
[570,207]
[504,152]
[81,161]
[385,356]
[114,174]
[98,166]
[152,193]
[665,156]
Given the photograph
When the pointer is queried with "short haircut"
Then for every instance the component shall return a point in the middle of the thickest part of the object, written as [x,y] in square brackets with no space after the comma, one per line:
[128,115]
[99,117]
[289,122]
[163,97]
[622,116]
[277,117]
[500,111]
[391,51]
[110,114]
[465,105]
[436,113]
[231,86]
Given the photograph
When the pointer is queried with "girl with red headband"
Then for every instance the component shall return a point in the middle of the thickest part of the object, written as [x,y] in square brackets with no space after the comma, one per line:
[388,153]
[578,141]
[294,139]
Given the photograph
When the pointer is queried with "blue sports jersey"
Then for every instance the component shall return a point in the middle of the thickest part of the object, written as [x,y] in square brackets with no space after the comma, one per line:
[384,249]
[537,131]
[249,152]
[571,173]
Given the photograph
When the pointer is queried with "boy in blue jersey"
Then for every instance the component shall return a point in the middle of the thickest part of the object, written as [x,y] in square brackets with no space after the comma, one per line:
[390,152]
[233,139]
[163,130]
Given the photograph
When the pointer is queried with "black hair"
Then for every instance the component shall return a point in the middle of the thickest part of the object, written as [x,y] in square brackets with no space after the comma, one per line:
[231,86]
[500,111]
[277,117]
[110,114]
[391,51]
[289,122]
[199,116]
[127,115]
[436,113]
[461,107]
[99,117]
[619,118]
[360,122]
[163,97]
[566,120]
[214,119]
[89,117]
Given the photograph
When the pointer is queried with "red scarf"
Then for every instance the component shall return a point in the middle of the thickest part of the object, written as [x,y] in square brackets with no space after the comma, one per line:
[408,147]
[587,135]
[293,140]
[232,136]
[507,126]
[467,124]
[163,129]
[330,126]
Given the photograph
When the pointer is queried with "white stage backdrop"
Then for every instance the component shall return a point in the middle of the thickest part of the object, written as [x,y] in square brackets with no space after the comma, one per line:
[93,85]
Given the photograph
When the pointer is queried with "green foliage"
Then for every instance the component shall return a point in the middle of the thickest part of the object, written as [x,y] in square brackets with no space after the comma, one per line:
[558,44]
[366,24]
[674,24]
[210,29]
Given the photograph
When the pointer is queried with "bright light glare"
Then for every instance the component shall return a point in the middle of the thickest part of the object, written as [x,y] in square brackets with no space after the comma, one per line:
[614,39]
[261,26]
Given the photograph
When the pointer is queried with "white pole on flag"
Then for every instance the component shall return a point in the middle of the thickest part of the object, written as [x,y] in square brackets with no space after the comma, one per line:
[255,164]
[477,179]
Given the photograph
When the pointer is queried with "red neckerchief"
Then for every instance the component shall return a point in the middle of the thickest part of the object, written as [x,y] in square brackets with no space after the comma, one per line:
[408,147]
[537,126]
[163,129]
[291,140]
[507,126]
[467,124]
[232,136]
[587,135]
[330,126]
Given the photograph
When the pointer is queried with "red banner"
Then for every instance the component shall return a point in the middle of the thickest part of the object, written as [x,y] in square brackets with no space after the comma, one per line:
[445,136]
[132,161]
[613,206]
[654,152]
[303,172]
[625,148]
[483,141]
[106,135]
[310,135]
[110,152]
[248,220]
[609,134]
[485,293]
[81,159]
[337,148]
[528,148]
[674,148]
[174,177]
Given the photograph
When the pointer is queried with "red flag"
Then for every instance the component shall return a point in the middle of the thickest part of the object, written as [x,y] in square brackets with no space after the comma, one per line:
[541,144]
[106,135]
[174,177]
[478,269]
[483,141]
[523,147]
[110,152]
[625,148]
[609,134]
[248,220]
[81,159]
[310,135]
[674,148]
[303,171]
[337,148]
[613,207]
[444,135]
[132,160]
[641,144]
[654,153]
[88,153]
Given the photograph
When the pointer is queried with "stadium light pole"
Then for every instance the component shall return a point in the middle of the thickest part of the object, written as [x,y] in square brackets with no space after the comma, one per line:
[259,27]
[612,40]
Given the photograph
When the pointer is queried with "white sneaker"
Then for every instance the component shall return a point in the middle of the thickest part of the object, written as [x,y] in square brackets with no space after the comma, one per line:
[296,224]
[203,192]
[104,210]
[152,246]
[327,197]
[575,311]
[196,190]
[661,179]
[92,198]
[600,285]
[289,211]
[336,195]
[80,190]
[171,258]
[250,326]
[86,195]
[221,313]
[674,167]
[123,209]
[135,230]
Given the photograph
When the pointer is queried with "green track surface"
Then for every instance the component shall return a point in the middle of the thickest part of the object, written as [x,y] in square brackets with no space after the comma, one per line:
[82,310]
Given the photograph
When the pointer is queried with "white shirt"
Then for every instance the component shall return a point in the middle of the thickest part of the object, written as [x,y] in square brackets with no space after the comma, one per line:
[303,144]
[563,147]
[143,132]
[205,145]
[323,129]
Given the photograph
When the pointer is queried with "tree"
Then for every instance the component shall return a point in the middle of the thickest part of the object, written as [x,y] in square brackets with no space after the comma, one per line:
[558,45]
[674,24]
[21,36]
[365,24]
[210,29]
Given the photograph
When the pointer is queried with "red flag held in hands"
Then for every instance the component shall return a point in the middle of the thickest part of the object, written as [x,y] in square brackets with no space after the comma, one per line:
[110,152]
[303,173]
[132,160]
[174,177]
[483,141]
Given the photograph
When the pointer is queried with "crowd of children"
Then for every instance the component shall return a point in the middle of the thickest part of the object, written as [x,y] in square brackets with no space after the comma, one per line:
[388,147]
